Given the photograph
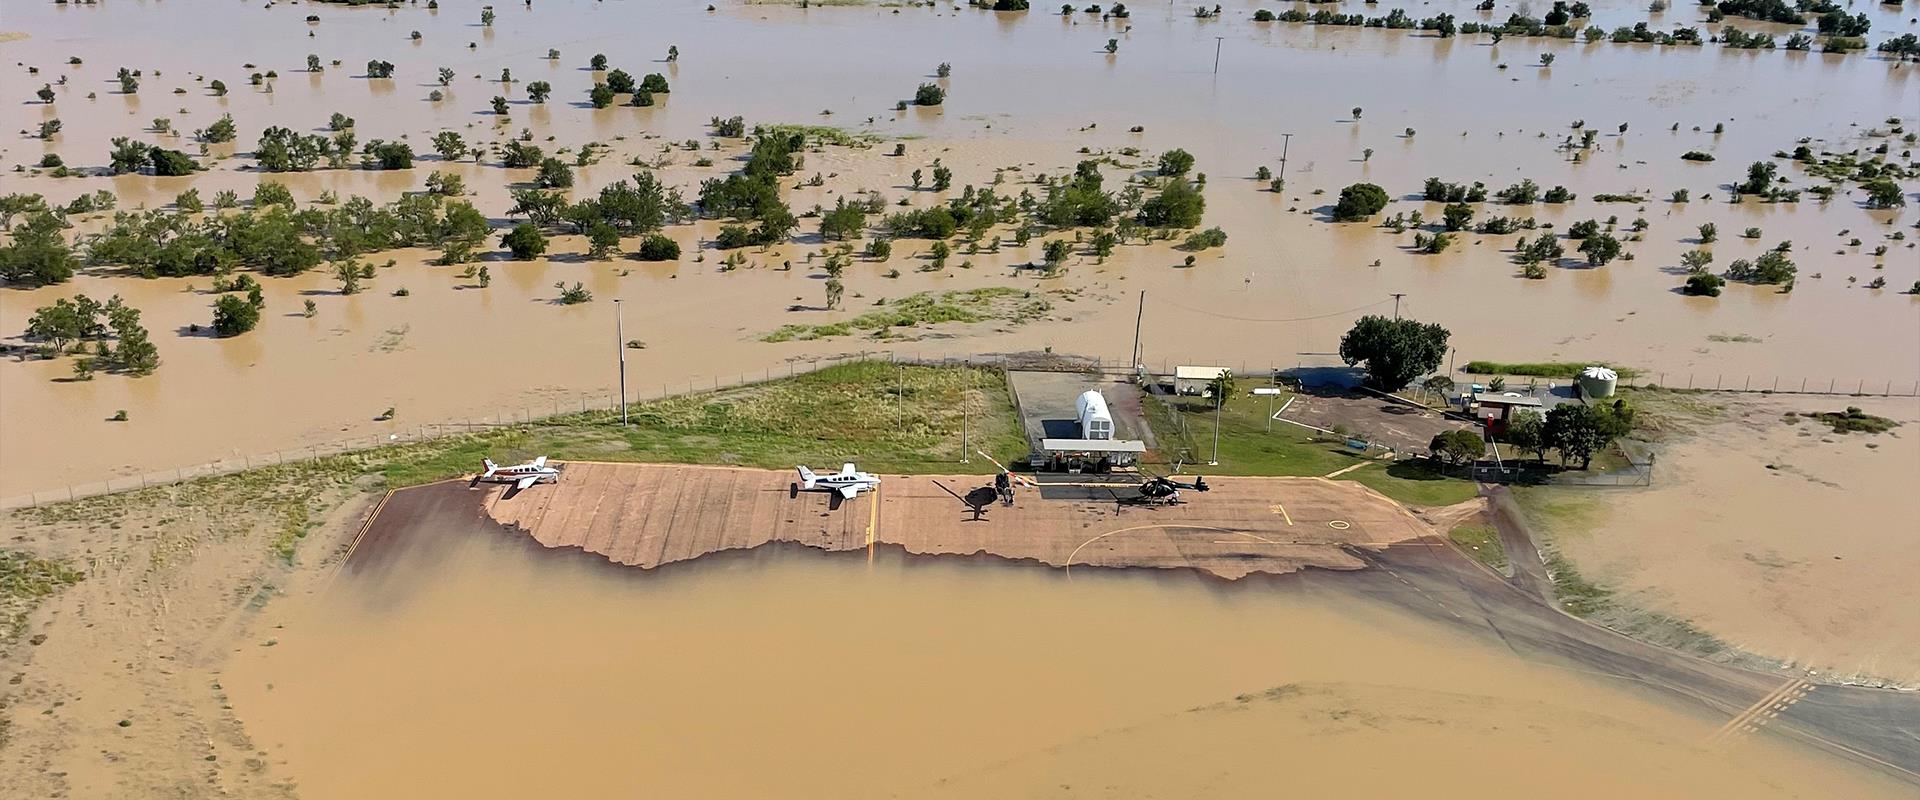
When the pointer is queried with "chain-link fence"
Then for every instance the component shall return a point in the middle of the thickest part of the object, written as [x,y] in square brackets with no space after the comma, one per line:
[1858,387]
[1637,471]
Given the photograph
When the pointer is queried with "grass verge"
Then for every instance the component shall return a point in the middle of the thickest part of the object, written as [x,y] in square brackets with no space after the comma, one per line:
[1543,369]
[1483,543]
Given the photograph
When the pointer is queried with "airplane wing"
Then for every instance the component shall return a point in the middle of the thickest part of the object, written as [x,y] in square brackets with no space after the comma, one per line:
[849,490]
[526,482]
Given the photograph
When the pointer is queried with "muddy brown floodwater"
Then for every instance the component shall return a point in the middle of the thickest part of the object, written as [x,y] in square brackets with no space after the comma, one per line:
[1027,90]
[494,670]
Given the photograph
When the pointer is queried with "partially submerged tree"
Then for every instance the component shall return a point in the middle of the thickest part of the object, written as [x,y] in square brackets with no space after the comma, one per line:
[1359,201]
[234,315]
[525,242]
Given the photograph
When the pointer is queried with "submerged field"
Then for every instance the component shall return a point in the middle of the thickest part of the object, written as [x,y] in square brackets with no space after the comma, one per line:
[1407,106]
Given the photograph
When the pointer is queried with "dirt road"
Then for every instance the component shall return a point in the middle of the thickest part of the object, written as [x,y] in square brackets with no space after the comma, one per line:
[1875,727]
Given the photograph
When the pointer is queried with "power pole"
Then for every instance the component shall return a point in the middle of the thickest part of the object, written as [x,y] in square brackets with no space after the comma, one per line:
[620,346]
[1216,53]
[1217,403]
[1137,317]
[1286,143]
[966,411]
[1396,305]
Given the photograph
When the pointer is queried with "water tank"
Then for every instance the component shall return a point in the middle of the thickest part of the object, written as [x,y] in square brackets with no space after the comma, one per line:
[1598,382]
[1095,422]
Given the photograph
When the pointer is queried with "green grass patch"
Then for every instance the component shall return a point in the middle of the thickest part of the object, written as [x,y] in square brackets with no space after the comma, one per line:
[823,134]
[1483,543]
[25,580]
[888,417]
[1184,430]
[1853,420]
[1415,483]
[993,303]
[1543,369]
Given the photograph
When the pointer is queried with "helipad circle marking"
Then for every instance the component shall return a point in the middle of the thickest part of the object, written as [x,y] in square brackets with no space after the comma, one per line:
[1338,524]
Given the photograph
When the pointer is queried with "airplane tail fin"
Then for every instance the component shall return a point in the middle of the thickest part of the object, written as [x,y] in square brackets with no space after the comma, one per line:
[806,477]
[489,466]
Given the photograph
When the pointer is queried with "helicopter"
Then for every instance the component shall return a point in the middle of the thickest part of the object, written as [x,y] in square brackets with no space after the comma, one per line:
[979,499]
[1160,490]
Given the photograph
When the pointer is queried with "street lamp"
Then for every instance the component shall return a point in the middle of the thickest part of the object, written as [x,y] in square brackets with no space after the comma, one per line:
[620,347]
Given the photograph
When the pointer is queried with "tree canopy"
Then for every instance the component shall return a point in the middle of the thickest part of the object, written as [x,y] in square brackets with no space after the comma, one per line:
[1395,351]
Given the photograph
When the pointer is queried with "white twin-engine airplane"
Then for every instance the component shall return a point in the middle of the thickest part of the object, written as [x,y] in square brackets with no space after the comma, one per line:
[848,481]
[520,475]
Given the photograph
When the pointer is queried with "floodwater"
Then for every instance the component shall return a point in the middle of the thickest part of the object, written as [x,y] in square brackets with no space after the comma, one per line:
[1024,92]
[1811,566]
[498,671]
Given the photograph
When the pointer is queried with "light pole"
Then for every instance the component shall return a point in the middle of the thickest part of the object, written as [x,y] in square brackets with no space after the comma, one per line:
[1216,53]
[620,346]
[1396,305]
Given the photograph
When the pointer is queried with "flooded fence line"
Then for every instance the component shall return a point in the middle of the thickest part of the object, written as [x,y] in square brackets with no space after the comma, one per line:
[1748,384]
[584,403]
[529,415]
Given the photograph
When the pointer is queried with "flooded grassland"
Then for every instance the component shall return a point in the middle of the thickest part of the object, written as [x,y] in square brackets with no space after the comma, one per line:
[1027,92]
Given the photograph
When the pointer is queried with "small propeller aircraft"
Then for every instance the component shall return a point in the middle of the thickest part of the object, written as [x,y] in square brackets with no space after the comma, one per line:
[848,481]
[520,475]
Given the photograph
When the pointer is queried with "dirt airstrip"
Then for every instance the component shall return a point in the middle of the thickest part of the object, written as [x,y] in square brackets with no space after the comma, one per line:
[650,515]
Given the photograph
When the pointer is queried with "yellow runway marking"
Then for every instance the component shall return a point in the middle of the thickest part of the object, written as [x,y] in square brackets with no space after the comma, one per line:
[1764,710]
